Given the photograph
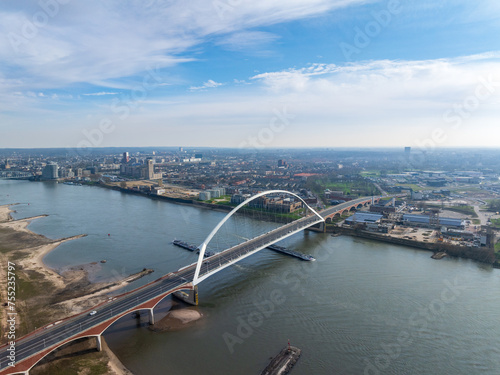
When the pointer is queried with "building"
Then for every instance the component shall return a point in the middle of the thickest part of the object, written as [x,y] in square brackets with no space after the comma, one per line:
[363,217]
[140,171]
[150,169]
[125,158]
[205,196]
[50,172]
[158,190]
[239,198]
[276,204]
[425,221]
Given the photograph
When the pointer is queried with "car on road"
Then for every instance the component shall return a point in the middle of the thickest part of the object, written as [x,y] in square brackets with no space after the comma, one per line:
[93,312]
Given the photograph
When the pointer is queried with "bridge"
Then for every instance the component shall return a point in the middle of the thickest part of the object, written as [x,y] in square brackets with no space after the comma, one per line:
[27,351]
[16,175]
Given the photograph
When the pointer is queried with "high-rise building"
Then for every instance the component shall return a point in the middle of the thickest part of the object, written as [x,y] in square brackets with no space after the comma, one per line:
[50,172]
[150,169]
[407,151]
[282,163]
[125,158]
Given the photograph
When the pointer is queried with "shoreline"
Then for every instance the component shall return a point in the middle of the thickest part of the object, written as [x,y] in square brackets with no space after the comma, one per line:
[482,255]
[28,261]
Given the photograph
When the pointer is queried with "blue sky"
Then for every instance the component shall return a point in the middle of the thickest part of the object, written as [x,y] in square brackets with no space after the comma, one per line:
[240,73]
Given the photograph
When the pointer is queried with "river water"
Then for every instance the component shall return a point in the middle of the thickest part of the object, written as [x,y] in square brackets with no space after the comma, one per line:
[362,308]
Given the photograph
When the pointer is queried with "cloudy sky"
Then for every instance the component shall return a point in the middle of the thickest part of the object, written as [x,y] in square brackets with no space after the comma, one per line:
[241,73]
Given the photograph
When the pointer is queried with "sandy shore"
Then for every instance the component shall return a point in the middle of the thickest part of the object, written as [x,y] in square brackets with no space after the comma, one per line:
[177,319]
[27,250]
[5,213]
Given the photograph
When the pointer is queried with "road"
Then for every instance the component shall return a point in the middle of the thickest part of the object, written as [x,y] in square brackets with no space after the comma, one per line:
[60,331]
[56,333]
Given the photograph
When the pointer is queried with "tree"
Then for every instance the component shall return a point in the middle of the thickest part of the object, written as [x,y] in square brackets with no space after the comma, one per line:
[494,205]
[123,185]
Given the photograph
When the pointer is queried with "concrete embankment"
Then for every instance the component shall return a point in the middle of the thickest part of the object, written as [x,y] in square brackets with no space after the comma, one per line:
[482,254]
[283,362]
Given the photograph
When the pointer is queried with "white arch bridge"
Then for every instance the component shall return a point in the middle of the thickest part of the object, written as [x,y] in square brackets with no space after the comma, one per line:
[32,348]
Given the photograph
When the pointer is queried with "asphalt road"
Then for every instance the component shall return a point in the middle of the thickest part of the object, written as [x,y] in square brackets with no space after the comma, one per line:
[63,330]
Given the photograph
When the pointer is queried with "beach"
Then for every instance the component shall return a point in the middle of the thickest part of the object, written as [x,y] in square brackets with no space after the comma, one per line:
[42,294]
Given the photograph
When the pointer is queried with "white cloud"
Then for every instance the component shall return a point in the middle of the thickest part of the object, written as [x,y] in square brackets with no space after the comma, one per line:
[249,42]
[101,93]
[96,41]
[207,85]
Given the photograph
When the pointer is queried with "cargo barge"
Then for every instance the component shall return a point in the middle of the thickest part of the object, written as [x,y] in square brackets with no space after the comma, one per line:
[286,251]
[190,247]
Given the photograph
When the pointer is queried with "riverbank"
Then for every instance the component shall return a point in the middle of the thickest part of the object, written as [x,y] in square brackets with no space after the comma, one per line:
[284,218]
[42,294]
[483,255]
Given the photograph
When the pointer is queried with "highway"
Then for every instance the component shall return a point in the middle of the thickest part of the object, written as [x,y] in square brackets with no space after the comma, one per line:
[57,332]
[70,327]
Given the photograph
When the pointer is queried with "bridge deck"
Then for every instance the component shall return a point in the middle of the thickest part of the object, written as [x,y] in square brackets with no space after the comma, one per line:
[76,326]
[51,336]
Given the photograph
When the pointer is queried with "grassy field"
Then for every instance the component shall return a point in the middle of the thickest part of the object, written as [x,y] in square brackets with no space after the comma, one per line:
[495,223]
[412,186]
[497,250]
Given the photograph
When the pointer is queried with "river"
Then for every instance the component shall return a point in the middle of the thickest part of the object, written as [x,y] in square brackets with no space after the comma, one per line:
[362,308]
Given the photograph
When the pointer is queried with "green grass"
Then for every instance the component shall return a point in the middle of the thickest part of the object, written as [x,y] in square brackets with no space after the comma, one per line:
[412,186]
[497,250]
[495,223]
[91,363]
[466,189]
[476,221]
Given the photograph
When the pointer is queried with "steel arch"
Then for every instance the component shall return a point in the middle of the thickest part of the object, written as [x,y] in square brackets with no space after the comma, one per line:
[205,243]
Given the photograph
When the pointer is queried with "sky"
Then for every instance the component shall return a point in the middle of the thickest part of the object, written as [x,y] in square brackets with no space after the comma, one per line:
[253,74]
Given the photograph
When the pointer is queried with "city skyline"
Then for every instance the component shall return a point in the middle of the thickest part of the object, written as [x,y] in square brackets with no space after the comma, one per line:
[261,75]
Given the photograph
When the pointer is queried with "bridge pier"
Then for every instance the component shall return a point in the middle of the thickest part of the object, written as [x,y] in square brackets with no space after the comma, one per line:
[189,296]
[99,343]
[151,317]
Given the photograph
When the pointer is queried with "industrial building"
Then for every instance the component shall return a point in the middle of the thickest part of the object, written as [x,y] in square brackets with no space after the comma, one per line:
[363,217]
[425,221]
